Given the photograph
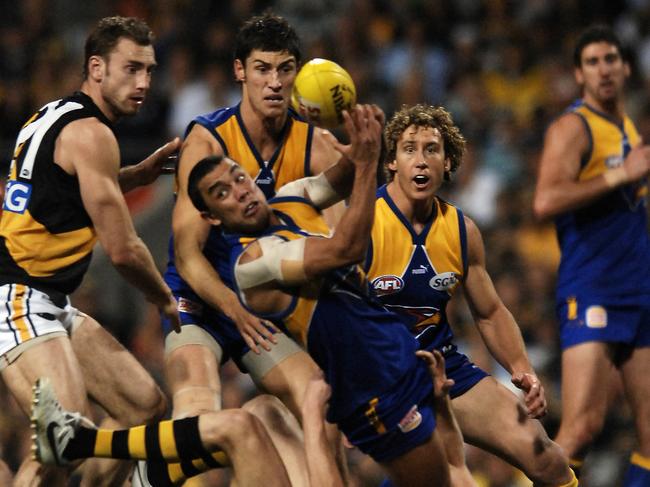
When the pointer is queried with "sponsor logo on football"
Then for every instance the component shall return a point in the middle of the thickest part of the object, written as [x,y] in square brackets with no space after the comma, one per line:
[411,421]
[443,282]
[596,317]
[387,284]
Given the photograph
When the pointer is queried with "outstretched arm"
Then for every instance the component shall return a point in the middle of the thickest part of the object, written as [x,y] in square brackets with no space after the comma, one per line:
[498,327]
[148,170]
[297,261]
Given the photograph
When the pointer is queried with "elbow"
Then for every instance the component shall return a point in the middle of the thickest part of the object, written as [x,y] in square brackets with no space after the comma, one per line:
[126,255]
[542,209]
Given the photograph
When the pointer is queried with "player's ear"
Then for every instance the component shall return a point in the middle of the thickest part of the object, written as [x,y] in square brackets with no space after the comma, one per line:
[96,67]
[210,218]
[447,167]
[240,72]
[580,79]
[392,165]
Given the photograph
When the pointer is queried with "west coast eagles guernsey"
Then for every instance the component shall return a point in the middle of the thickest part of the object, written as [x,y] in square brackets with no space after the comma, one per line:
[363,349]
[413,274]
[290,161]
[605,245]
[46,236]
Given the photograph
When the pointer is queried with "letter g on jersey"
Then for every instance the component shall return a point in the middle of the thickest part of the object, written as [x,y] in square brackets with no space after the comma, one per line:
[17,196]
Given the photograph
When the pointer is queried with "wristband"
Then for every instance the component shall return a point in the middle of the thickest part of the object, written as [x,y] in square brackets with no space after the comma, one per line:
[615,177]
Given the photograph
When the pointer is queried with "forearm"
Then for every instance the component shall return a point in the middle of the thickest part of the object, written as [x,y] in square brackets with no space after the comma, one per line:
[503,339]
[353,230]
[560,197]
[323,471]
[137,266]
[129,178]
[202,278]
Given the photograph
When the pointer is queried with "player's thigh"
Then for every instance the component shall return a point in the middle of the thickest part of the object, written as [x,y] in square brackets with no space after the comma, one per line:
[492,417]
[586,371]
[284,372]
[421,465]
[53,358]
[192,360]
[113,376]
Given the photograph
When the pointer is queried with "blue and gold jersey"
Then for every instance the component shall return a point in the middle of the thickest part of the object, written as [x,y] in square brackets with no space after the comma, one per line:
[414,274]
[605,245]
[362,348]
[46,236]
[291,161]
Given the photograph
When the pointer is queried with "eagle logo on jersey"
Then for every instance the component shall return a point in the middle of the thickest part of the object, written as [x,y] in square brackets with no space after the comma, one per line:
[387,285]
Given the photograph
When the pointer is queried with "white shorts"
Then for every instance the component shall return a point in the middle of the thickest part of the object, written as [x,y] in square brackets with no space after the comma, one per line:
[26,314]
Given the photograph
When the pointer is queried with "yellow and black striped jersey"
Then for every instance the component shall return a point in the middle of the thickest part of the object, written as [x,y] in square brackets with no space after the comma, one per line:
[46,235]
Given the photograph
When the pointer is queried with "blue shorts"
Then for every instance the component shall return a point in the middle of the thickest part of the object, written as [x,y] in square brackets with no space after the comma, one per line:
[458,366]
[396,421]
[194,311]
[594,320]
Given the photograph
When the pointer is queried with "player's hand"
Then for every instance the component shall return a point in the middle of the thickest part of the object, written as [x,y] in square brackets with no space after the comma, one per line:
[170,310]
[364,128]
[162,161]
[436,363]
[637,163]
[253,330]
[534,396]
[317,394]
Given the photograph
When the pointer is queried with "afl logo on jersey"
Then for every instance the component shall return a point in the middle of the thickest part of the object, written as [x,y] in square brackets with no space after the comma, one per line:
[17,196]
[387,285]
[444,282]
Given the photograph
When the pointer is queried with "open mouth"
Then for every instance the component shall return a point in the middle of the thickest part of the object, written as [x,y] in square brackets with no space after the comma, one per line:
[251,208]
[138,99]
[421,180]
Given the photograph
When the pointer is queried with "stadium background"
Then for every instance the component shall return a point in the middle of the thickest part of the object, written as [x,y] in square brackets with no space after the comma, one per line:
[503,69]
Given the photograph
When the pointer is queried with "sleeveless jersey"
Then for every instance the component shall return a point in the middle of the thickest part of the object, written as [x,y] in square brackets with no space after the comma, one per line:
[46,236]
[605,245]
[362,348]
[290,161]
[413,274]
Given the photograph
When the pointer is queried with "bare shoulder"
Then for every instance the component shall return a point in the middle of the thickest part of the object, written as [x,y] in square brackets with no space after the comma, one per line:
[568,128]
[323,153]
[85,143]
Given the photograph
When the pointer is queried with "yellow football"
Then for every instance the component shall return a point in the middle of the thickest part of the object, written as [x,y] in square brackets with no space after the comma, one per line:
[322,90]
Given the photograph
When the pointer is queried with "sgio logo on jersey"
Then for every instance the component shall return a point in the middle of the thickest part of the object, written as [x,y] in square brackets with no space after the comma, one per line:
[444,282]
[17,196]
[387,285]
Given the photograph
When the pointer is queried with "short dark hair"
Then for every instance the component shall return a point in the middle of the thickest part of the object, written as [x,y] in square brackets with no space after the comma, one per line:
[198,172]
[422,115]
[595,33]
[267,32]
[109,30]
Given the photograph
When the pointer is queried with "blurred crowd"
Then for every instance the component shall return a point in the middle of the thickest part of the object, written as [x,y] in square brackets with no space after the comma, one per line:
[502,68]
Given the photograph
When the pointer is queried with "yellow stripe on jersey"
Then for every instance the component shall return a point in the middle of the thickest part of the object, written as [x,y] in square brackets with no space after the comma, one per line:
[39,252]
[289,163]
[304,215]
[18,316]
[443,241]
[607,142]
[391,243]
